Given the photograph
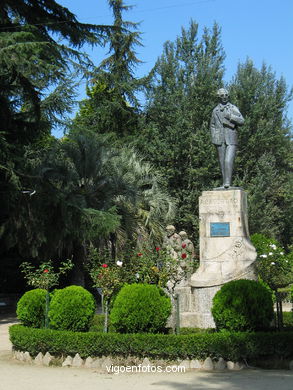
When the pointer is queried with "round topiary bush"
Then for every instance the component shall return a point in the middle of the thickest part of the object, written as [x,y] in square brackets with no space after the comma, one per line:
[140,308]
[72,308]
[31,308]
[243,305]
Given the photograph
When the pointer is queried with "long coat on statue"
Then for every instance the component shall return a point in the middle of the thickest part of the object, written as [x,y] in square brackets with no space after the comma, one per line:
[224,121]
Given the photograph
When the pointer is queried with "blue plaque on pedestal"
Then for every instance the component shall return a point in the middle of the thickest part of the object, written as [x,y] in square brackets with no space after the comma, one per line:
[220,229]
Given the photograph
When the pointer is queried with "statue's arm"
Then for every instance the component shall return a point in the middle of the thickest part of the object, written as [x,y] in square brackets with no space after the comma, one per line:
[236,117]
[213,125]
[213,121]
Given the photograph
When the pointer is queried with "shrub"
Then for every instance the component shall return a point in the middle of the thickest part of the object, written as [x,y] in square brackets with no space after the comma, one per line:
[243,305]
[98,324]
[31,308]
[288,319]
[228,345]
[140,308]
[72,308]
[273,265]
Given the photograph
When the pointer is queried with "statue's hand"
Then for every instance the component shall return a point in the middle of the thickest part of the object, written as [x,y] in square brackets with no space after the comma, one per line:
[228,115]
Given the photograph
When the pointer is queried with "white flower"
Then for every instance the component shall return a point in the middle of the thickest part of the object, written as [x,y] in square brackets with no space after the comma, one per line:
[273,246]
[281,253]
[119,263]
[137,276]
[263,256]
[272,263]
[271,253]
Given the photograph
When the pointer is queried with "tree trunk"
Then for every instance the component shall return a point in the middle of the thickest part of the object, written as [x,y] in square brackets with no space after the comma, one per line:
[279,310]
[177,308]
[106,316]
[79,259]
[113,245]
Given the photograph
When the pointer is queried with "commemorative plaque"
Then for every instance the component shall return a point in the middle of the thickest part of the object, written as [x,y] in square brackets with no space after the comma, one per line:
[220,229]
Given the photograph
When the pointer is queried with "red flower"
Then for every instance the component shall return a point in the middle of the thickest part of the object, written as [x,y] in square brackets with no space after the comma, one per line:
[183,255]
[184,245]
[45,271]
[139,254]
[157,248]
[104,265]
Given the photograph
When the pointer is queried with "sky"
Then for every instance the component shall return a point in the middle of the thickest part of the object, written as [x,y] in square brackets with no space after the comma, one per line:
[261,30]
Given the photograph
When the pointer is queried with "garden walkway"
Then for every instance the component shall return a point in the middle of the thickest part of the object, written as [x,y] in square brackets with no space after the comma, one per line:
[16,375]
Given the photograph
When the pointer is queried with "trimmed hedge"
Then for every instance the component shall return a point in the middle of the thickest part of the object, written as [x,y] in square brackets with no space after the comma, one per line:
[72,308]
[140,308]
[31,308]
[228,345]
[243,305]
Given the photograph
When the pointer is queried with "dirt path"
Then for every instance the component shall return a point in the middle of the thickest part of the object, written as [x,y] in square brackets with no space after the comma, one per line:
[15,375]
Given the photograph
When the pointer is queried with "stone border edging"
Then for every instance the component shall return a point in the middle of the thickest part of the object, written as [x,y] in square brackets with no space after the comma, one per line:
[104,363]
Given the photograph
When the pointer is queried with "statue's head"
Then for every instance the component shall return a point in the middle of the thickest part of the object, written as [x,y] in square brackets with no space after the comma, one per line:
[170,229]
[223,95]
[183,235]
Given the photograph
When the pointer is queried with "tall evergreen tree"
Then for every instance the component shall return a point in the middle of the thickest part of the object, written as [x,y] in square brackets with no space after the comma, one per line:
[35,92]
[112,105]
[175,134]
[263,164]
[176,139]
[32,62]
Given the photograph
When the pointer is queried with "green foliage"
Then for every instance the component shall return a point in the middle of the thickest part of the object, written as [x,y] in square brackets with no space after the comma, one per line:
[175,132]
[72,308]
[156,266]
[288,319]
[242,305]
[90,191]
[151,266]
[98,324]
[112,105]
[274,265]
[265,149]
[59,195]
[186,331]
[107,278]
[228,345]
[38,62]
[175,129]
[44,277]
[140,308]
[31,308]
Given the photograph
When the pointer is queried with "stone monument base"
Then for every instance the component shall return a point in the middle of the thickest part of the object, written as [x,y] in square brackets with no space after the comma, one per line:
[195,306]
[226,253]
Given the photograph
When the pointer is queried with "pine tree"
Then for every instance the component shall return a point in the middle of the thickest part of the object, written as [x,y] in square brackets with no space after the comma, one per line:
[112,105]
[32,61]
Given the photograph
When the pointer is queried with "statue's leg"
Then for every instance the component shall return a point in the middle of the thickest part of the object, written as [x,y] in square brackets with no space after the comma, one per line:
[221,155]
[229,162]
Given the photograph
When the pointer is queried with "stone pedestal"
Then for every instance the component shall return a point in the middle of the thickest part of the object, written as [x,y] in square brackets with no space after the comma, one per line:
[226,253]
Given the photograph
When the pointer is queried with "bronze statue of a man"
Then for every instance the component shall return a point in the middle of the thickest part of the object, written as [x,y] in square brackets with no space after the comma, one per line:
[225,119]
